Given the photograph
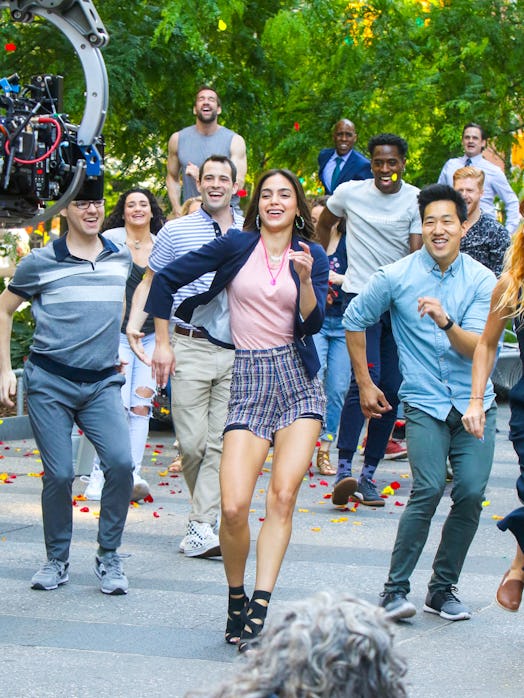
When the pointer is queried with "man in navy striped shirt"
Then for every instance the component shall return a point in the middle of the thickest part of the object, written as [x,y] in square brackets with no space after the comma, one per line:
[201,381]
[73,375]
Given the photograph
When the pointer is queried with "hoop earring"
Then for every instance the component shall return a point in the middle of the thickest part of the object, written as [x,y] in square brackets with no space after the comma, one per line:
[299,223]
[257,221]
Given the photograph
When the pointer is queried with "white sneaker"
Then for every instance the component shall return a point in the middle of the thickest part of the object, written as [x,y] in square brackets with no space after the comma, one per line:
[95,484]
[140,488]
[182,544]
[200,541]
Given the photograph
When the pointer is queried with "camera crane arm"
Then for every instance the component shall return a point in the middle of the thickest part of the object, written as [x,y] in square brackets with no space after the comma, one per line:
[81,24]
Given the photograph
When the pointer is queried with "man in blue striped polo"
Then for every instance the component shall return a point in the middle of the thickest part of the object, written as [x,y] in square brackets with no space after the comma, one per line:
[201,382]
[76,285]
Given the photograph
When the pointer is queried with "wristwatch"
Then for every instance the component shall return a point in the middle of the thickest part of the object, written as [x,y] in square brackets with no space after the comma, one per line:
[449,324]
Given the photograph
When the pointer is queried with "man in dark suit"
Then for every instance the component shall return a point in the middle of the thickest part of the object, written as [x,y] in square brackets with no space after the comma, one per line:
[342,163]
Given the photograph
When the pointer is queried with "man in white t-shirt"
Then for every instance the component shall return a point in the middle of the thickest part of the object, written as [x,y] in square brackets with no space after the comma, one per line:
[382,226]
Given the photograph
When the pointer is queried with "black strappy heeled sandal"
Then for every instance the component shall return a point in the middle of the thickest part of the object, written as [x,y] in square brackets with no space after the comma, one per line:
[236,605]
[253,617]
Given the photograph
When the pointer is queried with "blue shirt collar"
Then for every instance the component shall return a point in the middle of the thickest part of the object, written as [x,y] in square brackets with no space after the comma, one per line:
[431,265]
[62,251]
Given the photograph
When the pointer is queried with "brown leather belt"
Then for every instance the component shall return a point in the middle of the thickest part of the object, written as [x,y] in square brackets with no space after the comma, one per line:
[189,333]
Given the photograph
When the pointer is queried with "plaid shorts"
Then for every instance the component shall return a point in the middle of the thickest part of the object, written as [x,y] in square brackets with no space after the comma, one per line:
[270,390]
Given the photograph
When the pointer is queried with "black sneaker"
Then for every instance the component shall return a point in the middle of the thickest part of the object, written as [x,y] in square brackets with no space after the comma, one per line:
[367,494]
[343,490]
[396,605]
[445,604]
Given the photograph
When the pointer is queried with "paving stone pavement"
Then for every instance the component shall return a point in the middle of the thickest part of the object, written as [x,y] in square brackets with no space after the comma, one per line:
[165,637]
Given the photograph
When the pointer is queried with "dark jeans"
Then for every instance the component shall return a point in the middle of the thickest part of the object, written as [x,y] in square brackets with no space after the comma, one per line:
[430,443]
[382,357]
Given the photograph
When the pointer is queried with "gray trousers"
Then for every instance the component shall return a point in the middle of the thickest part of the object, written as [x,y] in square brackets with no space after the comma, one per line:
[430,442]
[54,405]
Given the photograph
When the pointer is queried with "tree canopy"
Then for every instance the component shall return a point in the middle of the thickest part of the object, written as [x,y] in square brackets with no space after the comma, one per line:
[287,70]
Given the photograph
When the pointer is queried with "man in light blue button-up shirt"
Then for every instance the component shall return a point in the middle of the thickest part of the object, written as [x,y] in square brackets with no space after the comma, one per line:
[439,301]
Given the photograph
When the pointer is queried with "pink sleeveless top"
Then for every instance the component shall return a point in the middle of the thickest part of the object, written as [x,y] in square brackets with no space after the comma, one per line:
[262,312]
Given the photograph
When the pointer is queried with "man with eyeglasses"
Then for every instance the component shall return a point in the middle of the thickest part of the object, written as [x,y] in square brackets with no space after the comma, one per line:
[76,285]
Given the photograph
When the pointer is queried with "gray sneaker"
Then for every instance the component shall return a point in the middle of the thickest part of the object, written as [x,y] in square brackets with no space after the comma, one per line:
[50,575]
[396,605]
[367,494]
[108,569]
[445,604]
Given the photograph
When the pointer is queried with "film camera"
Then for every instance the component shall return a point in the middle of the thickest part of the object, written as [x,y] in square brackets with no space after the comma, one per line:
[39,151]
[44,158]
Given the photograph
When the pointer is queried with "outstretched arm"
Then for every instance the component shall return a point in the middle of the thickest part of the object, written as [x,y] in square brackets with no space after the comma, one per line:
[9,302]
[483,361]
[137,316]
[239,157]
[173,174]
[372,400]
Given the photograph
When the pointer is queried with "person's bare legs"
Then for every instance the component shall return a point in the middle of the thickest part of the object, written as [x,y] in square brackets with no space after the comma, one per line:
[293,449]
[243,456]
[294,446]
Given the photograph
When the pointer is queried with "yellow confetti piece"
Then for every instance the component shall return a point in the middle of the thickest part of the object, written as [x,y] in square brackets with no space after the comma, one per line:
[496,517]
[252,511]
[136,505]
[405,476]
[340,520]
[153,460]
[36,452]
[486,503]
[388,490]
[4,476]
[357,523]
[222,26]
[1,421]
[96,514]
[330,437]
[262,491]
[38,460]
[79,498]
[266,470]
[304,511]
[316,529]
[34,474]
[353,509]
[162,473]
[18,449]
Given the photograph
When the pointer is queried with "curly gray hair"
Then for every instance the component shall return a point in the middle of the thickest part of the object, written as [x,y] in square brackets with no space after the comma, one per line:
[328,646]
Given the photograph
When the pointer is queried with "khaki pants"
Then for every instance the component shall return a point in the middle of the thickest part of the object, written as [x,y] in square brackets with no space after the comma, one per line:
[199,399]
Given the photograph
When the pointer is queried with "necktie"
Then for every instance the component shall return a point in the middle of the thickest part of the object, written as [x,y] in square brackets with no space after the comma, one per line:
[468,162]
[336,173]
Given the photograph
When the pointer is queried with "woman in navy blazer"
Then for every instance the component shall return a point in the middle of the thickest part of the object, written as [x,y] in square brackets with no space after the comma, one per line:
[276,397]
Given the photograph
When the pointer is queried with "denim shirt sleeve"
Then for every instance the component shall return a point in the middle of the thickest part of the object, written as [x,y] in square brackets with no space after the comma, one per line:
[367,307]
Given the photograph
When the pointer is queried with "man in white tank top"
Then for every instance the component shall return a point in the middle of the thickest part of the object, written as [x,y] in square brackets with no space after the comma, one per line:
[191,146]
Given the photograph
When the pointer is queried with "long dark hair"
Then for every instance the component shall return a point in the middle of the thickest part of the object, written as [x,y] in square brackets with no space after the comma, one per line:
[308,231]
[116,218]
